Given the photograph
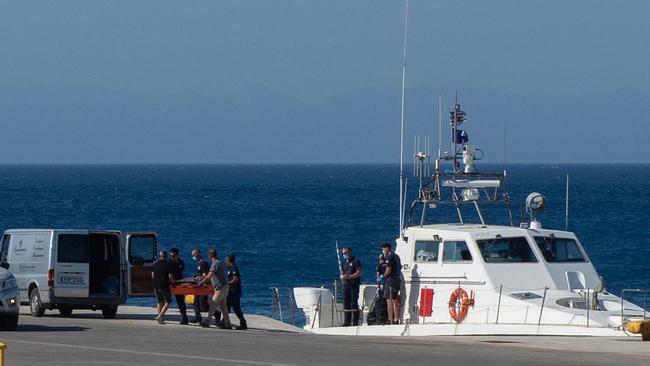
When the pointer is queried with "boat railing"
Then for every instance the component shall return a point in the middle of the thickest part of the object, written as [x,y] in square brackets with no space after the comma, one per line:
[284,309]
[283,304]
[498,310]
[634,294]
[338,309]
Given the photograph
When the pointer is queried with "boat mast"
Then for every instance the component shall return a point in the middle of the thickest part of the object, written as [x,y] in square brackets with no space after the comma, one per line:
[453,134]
[566,205]
[439,129]
[401,143]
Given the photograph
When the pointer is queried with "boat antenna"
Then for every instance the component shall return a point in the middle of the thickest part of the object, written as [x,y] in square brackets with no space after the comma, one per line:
[505,174]
[439,127]
[401,143]
[566,205]
[454,151]
[505,149]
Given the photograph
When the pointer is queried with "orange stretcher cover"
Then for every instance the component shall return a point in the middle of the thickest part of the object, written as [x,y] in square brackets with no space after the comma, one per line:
[191,289]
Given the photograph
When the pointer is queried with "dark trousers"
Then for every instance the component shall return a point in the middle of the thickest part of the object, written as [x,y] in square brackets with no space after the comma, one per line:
[234,303]
[200,302]
[351,305]
[182,307]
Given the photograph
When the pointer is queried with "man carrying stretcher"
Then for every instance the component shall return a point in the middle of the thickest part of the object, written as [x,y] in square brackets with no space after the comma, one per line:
[219,280]
[200,301]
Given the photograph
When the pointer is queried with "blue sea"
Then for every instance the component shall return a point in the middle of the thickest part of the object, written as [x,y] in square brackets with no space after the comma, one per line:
[282,221]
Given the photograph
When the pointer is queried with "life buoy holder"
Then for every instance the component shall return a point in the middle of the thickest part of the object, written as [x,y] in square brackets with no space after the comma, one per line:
[459,303]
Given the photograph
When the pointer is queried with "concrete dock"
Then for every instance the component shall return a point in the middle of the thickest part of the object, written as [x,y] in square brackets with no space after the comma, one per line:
[134,338]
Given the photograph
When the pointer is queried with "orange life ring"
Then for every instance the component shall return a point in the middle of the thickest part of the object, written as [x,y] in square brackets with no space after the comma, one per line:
[459,303]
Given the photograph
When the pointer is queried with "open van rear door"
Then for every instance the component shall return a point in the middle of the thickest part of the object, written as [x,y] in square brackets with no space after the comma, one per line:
[141,252]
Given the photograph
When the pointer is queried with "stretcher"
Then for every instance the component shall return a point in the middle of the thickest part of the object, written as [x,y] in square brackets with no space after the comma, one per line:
[187,286]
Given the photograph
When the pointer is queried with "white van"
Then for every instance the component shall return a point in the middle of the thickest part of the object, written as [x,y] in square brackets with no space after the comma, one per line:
[79,269]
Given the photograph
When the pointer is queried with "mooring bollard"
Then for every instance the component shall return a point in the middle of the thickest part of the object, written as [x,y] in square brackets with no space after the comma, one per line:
[639,327]
[644,329]
[3,348]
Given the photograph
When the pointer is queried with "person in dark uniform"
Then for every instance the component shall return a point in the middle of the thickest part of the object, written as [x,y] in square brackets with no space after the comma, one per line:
[162,277]
[378,312]
[392,282]
[201,301]
[381,268]
[177,269]
[351,277]
[233,300]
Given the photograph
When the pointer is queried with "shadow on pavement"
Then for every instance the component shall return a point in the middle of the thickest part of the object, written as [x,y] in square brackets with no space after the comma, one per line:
[98,315]
[45,328]
[118,316]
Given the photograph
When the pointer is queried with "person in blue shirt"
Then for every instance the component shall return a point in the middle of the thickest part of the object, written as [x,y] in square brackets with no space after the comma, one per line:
[380,269]
[200,301]
[234,294]
[393,282]
[177,269]
[351,278]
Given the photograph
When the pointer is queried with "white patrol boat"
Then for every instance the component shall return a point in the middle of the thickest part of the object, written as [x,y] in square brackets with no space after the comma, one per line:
[476,278]
[480,279]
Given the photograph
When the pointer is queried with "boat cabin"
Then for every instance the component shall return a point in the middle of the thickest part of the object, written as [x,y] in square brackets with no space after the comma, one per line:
[494,256]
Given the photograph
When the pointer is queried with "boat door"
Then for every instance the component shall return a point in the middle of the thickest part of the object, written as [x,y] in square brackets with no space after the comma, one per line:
[141,252]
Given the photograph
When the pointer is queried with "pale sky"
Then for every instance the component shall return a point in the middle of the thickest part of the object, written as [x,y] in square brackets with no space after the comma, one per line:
[319,81]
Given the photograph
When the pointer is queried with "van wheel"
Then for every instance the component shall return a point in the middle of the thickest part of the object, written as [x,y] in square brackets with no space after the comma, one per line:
[109,311]
[9,322]
[35,305]
[65,311]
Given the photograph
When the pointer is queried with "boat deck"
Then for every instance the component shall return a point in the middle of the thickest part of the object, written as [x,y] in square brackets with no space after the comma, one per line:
[135,339]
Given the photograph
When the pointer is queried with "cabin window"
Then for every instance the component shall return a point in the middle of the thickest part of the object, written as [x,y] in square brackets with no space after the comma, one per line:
[73,248]
[506,250]
[558,250]
[456,251]
[426,251]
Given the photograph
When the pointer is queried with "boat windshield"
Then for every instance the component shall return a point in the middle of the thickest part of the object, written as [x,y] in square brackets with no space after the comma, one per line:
[558,250]
[456,251]
[426,251]
[506,250]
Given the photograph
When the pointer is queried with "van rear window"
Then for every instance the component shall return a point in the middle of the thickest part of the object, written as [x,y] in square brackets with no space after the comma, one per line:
[73,248]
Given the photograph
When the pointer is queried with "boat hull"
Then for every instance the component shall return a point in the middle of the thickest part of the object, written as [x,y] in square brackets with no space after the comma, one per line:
[424,330]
